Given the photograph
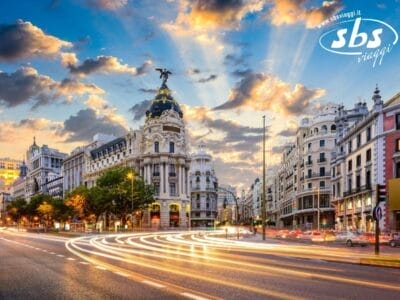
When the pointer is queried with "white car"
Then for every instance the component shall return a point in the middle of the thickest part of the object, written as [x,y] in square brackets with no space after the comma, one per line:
[352,238]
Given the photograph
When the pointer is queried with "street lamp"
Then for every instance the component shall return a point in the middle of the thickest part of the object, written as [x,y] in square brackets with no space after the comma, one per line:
[131,176]
[263,201]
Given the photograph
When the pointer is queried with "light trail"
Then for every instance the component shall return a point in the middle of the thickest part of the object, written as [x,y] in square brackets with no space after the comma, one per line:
[138,246]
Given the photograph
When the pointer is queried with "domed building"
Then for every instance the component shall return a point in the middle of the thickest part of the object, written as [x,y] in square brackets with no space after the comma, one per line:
[159,154]
[164,161]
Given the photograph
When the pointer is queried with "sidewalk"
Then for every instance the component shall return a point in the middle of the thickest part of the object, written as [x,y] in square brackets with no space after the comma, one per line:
[389,257]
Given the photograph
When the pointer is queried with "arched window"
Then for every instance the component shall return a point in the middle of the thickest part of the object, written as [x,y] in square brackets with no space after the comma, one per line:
[171,147]
[156,147]
[324,129]
[315,130]
[333,127]
[197,179]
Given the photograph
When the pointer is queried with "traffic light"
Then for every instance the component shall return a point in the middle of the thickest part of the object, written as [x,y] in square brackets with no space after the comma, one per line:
[381,190]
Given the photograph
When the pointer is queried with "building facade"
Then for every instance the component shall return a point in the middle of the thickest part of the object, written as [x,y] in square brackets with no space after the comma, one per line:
[227,209]
[391,128]
[9,171]
[357,168]
[44,165]
[158,152]
[204,186]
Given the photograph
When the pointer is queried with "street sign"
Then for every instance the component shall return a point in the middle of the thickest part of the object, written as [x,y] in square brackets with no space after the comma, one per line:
[377,213]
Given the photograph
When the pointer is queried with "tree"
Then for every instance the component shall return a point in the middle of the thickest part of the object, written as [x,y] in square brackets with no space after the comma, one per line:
[17,208]
[78,200]
[123,193]
[46,210]
[61,212]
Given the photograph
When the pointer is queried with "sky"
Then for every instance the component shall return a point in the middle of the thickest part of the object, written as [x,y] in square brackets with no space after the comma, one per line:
[72,68]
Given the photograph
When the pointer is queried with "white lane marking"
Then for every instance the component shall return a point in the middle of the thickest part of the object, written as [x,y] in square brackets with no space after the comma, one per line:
[83,262]
[60,255]
[70,258]
[38,249]
[153,284]
[101,268]
[120,242]
[122,274]
[44,250]
[52,253]
[193,296]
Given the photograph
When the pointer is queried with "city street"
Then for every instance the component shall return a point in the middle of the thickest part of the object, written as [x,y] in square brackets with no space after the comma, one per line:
[196,265]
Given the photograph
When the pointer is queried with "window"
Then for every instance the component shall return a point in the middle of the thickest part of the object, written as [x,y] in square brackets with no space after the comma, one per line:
[322,157]
[310,185]
[171,147]
[309,146]
[333,128]
[322,184]
[358,140]
[398,170]
[172,189]
[368,133]
[309,173]
[156,170]
[338,189]
[368,155]
[397,145]
[156,189]
[349,184]
[350,146]
[350,165]
[309,159]
[368,179]
[358,181]
[397,121]
[322,171]
[322,143]
[358,160]
[156,147]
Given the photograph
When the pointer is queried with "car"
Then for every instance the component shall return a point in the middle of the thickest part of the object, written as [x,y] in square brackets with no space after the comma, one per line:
[395,241]
[282,233]
[294,234]
[352,238]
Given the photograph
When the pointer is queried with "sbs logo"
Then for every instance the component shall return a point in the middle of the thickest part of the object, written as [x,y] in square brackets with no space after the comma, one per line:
[370,39]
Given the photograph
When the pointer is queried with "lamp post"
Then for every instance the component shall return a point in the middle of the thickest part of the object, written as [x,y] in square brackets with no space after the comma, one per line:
[131,176]
[263,202]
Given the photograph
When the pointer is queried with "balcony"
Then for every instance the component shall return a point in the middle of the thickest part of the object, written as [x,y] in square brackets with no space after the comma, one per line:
[356,190]
[321,160]
[156,174]
[172,174]
[309,163]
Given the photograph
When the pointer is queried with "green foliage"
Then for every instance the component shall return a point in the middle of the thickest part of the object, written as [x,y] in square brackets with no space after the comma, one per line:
[17,208]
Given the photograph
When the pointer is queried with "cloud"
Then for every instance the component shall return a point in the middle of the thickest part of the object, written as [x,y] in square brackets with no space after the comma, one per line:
[107,4]
[139,109]
[209,78]
[86,123]
[27,85]
[262,92]
[241,73]
[288,132]
[234,137]
[234,60]
[148,91]
[288,12]
[24,40]
[103,108]
[102,64]
[193,71]
[212,14]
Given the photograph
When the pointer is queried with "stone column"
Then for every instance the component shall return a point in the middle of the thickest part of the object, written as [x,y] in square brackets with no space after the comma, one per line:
[179,175]
[166,181]
[162,190]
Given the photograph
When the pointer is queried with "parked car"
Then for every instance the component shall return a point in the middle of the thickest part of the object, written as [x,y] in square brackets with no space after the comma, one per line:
[383,238]
[282,233]
[395,241]
[352,238]
[294,234]
[313,235]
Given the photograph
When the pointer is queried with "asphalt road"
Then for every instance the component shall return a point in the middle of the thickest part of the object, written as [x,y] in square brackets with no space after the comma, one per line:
[182,265]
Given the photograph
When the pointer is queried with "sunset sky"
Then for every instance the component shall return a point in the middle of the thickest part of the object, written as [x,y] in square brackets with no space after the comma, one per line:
[72,68]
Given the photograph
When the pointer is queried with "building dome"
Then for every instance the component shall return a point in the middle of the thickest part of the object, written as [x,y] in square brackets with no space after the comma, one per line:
[162,102]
